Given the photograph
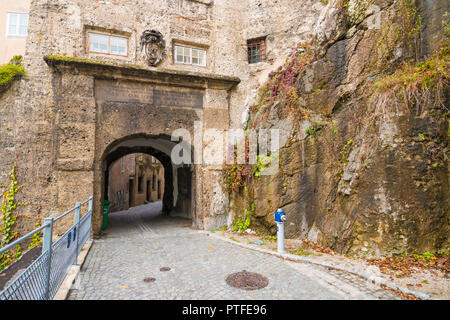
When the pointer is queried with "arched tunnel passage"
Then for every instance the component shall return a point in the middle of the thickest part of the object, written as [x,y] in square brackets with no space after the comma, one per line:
[168,197]
[134,180]
[177,190]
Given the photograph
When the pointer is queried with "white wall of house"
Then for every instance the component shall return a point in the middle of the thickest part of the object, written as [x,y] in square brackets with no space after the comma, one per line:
[11,45]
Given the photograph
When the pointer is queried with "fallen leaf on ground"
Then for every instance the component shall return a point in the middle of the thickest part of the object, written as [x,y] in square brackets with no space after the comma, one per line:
[402,266]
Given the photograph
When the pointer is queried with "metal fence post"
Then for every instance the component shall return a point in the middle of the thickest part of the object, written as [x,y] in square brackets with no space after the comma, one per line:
[90,212]
[77,226]
[47,247]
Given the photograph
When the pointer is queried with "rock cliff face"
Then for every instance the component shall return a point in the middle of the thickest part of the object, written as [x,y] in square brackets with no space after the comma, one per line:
[364,172]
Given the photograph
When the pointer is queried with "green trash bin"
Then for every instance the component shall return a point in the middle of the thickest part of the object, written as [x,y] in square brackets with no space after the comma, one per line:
[106,205]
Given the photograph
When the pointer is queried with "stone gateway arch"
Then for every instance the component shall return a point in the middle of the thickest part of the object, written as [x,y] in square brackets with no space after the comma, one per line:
[108,111]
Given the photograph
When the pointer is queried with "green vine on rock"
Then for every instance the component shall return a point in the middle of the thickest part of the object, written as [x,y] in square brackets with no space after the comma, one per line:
[281,85]
[7,210]
[345,150]
[263,161]
[420,85]
[237,175]
[316,126]
[242,224]
[403,33]
[36,240]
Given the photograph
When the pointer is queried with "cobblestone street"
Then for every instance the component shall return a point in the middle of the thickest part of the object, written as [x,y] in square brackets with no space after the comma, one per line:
[139,242]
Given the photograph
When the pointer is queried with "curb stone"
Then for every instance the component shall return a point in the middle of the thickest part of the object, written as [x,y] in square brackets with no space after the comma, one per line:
[375,279]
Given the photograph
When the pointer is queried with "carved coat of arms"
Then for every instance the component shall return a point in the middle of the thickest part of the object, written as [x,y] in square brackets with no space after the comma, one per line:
[153,46]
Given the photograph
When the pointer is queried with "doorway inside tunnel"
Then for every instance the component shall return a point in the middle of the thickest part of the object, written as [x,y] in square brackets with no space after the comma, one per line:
[138,172]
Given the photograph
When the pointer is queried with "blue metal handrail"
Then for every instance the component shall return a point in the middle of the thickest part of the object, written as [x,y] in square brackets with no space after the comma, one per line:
[43,277]
[16,242]
[31,233]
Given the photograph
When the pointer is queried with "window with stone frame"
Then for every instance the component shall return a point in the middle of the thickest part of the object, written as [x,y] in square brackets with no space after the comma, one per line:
[189,55]
[256,50]
[107,44]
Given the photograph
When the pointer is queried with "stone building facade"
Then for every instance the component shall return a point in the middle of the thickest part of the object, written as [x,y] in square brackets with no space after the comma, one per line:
[64,138]
[110,78]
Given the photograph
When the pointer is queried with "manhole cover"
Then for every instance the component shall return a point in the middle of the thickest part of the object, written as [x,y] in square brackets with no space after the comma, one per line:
[247,280]
[149,279]
[164,269]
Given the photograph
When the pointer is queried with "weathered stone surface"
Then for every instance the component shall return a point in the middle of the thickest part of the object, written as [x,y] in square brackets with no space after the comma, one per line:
[70,117]
[389,195]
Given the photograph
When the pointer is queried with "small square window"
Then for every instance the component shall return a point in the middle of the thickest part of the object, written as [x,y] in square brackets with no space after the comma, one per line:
[108,44]
[187,55]
[17,24]
[256,50]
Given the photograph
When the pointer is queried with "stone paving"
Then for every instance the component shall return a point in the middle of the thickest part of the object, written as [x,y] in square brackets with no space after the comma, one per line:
[139,242]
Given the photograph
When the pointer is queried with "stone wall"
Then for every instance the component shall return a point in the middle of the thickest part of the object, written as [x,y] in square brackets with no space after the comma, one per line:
[63,128]
[119,177]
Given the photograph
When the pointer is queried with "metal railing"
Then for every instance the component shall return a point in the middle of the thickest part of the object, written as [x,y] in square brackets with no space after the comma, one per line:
[43,277]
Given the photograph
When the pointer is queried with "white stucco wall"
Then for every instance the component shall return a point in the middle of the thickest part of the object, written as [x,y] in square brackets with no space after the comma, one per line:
[11,46]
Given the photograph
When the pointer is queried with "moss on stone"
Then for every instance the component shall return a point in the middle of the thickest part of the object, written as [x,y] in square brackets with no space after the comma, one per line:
[422,84]
[59,58]
[9,72]
[53,60]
